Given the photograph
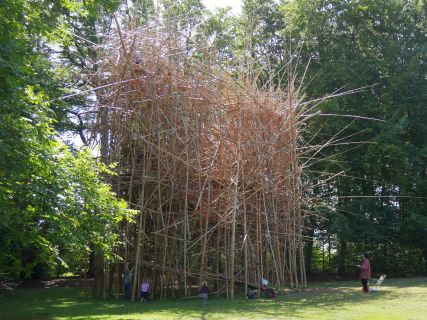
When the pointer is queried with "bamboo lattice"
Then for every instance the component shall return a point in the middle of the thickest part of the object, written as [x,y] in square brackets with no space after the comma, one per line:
[210,161]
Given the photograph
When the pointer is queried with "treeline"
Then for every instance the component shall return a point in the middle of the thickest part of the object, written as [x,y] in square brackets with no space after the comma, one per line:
[379,202]
[55,205]
[368,183]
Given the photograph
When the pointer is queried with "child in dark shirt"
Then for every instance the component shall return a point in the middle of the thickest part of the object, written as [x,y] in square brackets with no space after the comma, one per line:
[204,291]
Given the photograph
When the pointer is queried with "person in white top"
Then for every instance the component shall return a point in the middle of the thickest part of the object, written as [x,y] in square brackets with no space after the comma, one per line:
[145,291]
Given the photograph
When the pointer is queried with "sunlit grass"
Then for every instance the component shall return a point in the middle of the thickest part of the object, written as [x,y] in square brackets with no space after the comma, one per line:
[399,299]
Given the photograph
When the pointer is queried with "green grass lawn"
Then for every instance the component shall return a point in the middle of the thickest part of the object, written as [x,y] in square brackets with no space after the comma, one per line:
[399,299]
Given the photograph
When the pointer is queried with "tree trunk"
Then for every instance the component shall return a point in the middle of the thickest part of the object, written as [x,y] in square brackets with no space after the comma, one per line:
[309,251]
[342,251]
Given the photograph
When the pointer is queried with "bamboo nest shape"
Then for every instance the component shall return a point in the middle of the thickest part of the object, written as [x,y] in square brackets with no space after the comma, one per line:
[210,162]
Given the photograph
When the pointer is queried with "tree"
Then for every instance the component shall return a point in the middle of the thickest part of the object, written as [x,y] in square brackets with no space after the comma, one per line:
[378,45]
[50,199]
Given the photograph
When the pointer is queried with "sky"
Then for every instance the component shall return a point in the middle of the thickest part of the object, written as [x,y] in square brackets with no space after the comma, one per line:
[235,4]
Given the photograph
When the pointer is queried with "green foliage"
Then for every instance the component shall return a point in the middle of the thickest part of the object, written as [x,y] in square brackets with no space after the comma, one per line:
[51,200]
[61,205]
[218,33]
[142,11]
[353,44]
[184,12]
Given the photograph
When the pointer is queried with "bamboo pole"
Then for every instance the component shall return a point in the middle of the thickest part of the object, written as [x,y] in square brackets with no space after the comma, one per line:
[245,244]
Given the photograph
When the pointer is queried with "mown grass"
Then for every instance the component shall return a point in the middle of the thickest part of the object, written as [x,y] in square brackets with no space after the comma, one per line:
[399,299]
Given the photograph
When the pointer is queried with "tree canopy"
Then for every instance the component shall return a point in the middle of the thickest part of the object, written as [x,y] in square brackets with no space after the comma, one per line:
[52,200]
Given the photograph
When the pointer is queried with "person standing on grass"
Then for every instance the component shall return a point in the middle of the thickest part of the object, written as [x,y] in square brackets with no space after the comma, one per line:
[365,271]
[127,282]
[204,291]
[145,291]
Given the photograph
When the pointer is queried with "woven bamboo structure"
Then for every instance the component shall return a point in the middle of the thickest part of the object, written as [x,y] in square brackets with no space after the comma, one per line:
[209,161]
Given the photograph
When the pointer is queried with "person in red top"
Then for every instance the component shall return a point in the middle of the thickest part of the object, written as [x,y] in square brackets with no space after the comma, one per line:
[365,271]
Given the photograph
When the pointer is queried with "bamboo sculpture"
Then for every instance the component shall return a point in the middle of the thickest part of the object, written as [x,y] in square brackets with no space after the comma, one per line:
[211,164]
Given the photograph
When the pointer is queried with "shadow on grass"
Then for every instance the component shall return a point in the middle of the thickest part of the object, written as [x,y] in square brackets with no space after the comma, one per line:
[37,304]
